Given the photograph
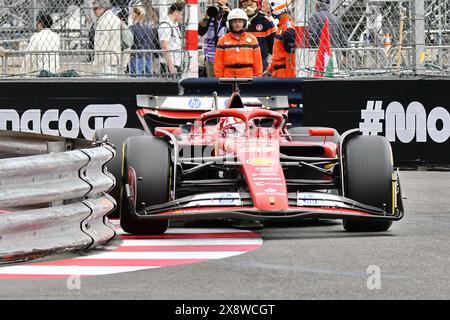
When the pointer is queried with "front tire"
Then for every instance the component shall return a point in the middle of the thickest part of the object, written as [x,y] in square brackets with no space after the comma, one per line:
[116,136]
[368,172]
[146,168]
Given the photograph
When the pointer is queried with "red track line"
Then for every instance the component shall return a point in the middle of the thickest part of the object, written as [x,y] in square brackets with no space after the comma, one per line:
[188,248]
[223,235]
[117,262]
[31,276]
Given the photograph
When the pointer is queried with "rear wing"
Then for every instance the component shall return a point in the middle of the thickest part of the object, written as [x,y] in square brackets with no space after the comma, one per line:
[203,104]
[253,87]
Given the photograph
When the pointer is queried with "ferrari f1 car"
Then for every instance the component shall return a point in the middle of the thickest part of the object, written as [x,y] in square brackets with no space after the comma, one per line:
[237,158]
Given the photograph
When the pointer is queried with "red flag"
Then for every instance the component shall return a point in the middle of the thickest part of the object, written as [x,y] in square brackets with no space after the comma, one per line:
[324,61]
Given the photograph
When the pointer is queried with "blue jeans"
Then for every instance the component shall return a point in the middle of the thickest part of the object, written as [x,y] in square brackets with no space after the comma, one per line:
[140,66]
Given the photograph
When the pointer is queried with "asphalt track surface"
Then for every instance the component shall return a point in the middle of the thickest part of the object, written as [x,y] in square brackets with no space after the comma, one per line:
[308,260]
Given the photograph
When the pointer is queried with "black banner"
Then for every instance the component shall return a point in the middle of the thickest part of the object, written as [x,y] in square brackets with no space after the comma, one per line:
[412,113]
[74,108]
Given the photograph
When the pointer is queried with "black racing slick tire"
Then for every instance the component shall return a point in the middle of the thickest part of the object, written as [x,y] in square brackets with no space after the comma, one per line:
[146,169]
[368,172]
[116,136]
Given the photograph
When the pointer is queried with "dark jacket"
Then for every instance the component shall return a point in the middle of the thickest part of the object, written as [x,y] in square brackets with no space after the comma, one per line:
[264,30]
[143,39]
[338,37]
[214,29]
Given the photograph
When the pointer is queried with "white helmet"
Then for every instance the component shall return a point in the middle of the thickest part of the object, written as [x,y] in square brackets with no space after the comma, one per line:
[237,14]
[278,7]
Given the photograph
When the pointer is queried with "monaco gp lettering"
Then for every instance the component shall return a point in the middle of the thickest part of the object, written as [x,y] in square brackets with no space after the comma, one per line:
[405,125]
[66,123]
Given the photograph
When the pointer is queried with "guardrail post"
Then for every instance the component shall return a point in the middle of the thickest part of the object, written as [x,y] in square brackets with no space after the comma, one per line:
[418,45]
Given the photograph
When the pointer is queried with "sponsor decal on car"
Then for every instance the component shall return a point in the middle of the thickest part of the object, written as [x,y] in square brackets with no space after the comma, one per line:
[305,199]
[194,103]
[215,199]
[257,149]
[258,162]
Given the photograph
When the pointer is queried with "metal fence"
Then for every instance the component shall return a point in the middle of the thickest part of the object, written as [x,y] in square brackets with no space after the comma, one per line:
[127,40]
[369,37]
[413,34]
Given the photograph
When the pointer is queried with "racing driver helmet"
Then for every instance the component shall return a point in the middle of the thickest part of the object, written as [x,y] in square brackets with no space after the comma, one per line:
[233,127]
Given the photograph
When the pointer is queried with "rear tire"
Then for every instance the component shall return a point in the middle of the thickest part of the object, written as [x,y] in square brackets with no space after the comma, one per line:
[368,178]
[150,158]
[117,137]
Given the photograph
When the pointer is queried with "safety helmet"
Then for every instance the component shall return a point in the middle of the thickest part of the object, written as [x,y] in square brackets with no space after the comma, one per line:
[278,7]
[248,10]
[237,14]
[233,126]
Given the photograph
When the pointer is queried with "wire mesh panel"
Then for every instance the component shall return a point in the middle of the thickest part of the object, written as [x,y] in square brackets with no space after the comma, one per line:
[146,38]
[361,30]
[94,38]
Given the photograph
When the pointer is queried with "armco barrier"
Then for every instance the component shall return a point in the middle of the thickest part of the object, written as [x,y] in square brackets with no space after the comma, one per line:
[57,202]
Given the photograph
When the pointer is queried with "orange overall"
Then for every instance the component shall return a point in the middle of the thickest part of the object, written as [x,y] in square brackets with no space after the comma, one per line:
[238,58]
[283,62]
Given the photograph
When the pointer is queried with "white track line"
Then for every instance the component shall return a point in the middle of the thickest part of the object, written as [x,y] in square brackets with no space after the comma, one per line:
[174,242]
[164,255]
[67,270]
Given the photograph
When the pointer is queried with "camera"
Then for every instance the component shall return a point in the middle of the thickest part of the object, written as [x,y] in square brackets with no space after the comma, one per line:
[213,11]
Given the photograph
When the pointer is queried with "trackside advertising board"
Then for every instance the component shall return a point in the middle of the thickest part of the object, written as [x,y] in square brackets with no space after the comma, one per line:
[413,113]
[73,109]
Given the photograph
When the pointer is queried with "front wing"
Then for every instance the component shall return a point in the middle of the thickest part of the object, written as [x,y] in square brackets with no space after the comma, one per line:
[235,205]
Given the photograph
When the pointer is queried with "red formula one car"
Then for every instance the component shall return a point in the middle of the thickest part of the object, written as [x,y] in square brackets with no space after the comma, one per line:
[239,159]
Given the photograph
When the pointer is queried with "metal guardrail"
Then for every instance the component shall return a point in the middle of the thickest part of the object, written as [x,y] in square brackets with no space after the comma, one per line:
[54,202]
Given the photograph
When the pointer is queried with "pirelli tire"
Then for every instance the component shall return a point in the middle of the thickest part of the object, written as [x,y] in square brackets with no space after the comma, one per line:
[147,170]
[368,170]
[116,136]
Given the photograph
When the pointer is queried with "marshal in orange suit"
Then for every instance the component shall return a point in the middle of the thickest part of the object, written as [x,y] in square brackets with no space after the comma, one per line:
[237,53]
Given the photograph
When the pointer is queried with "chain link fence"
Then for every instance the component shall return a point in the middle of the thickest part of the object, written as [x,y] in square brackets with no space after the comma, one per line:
[137,38]
[368,37]
[382,36]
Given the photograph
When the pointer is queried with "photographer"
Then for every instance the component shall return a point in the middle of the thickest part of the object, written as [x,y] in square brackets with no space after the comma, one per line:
[213,26]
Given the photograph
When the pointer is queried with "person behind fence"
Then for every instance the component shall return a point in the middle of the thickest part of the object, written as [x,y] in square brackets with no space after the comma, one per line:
[126,38]
[141,62]
[283,59]
[237,53]
[44,40]
[107,39]
[263,29]
[213,26]
[170,39]
[338,38]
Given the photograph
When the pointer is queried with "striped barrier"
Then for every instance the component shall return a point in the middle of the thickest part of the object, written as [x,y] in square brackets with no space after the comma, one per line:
[54,202]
